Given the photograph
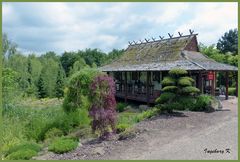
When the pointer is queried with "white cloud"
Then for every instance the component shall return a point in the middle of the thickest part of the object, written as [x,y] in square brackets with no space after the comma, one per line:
[171,12]
[73,26]
[211,20]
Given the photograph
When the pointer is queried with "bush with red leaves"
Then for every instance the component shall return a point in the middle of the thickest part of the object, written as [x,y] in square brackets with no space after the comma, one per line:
[103,108]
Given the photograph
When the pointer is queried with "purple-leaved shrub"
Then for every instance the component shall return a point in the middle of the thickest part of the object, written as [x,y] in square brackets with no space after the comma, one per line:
[103,108]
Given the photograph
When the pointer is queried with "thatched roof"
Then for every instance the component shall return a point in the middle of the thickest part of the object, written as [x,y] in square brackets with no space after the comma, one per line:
[163,55]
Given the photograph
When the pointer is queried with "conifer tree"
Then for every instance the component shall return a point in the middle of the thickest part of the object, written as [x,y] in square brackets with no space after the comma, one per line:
[59,85]
[42,92]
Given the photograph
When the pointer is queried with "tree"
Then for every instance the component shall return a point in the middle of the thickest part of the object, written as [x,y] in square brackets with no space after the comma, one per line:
[49,75]
[10,86]
[67,61]
[9,47]
[113,55]
[42,92]
[77,66]
[175,87]
[229,42]
[103,108]
[19,63]
[59,89]
[214,53]
[77,94]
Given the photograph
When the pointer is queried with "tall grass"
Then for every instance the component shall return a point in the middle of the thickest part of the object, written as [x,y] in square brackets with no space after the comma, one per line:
[22,123]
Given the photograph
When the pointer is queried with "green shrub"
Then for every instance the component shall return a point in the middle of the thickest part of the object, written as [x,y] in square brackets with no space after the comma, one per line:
[186,102]
[188,78]
[165,97]
[150,113]
[232,91]
[169,89]
[129,118]
[168,81]
[174,106]
[78,89]
[23,154]
[171,98]
[121,106]
[177,72]
[166,108]
[122,127]
[24,146]
[190,90]
[53,132]
[66,122]
[203,101]
[184,81]
[62,145]
[147,114]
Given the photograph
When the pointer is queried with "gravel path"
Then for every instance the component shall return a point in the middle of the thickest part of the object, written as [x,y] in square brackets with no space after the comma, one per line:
[186,135]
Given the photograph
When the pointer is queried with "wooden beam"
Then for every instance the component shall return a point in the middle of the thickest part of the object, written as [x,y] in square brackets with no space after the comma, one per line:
[214,82]
[236,78]
[200,81]
[227,82]
[125,86]
[148,88]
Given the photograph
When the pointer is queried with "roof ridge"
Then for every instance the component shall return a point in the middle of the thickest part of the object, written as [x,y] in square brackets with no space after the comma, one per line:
[162,40]
[184,56]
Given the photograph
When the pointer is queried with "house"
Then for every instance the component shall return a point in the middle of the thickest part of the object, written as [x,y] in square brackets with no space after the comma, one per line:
[139,71]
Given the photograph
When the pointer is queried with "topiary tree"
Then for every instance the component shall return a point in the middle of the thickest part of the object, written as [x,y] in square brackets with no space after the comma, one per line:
[176,86]
[103,108]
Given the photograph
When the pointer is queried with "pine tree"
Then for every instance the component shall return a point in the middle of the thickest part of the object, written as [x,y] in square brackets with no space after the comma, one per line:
[42,92]
[59,85]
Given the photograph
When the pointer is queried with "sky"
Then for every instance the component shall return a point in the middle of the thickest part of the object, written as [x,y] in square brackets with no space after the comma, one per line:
[40,27]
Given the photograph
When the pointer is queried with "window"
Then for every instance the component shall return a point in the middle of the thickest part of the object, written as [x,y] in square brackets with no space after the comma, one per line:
[156,76]
[118,75]
[135,75]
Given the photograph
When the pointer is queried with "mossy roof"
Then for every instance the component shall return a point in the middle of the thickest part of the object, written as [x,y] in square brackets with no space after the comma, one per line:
[163,55]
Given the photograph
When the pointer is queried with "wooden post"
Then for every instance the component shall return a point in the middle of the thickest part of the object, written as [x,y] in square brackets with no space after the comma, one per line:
[148,88]
[200,81]
[236,84]
[226,77]
[214,83]
[125,86]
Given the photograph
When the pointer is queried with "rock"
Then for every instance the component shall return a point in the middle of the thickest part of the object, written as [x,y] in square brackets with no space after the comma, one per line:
[143,107]
[127,134]
[99,151]
[128,107]
[79,144]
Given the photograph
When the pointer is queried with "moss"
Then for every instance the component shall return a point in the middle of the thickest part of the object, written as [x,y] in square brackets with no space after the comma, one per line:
[177,72]
[168,50]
